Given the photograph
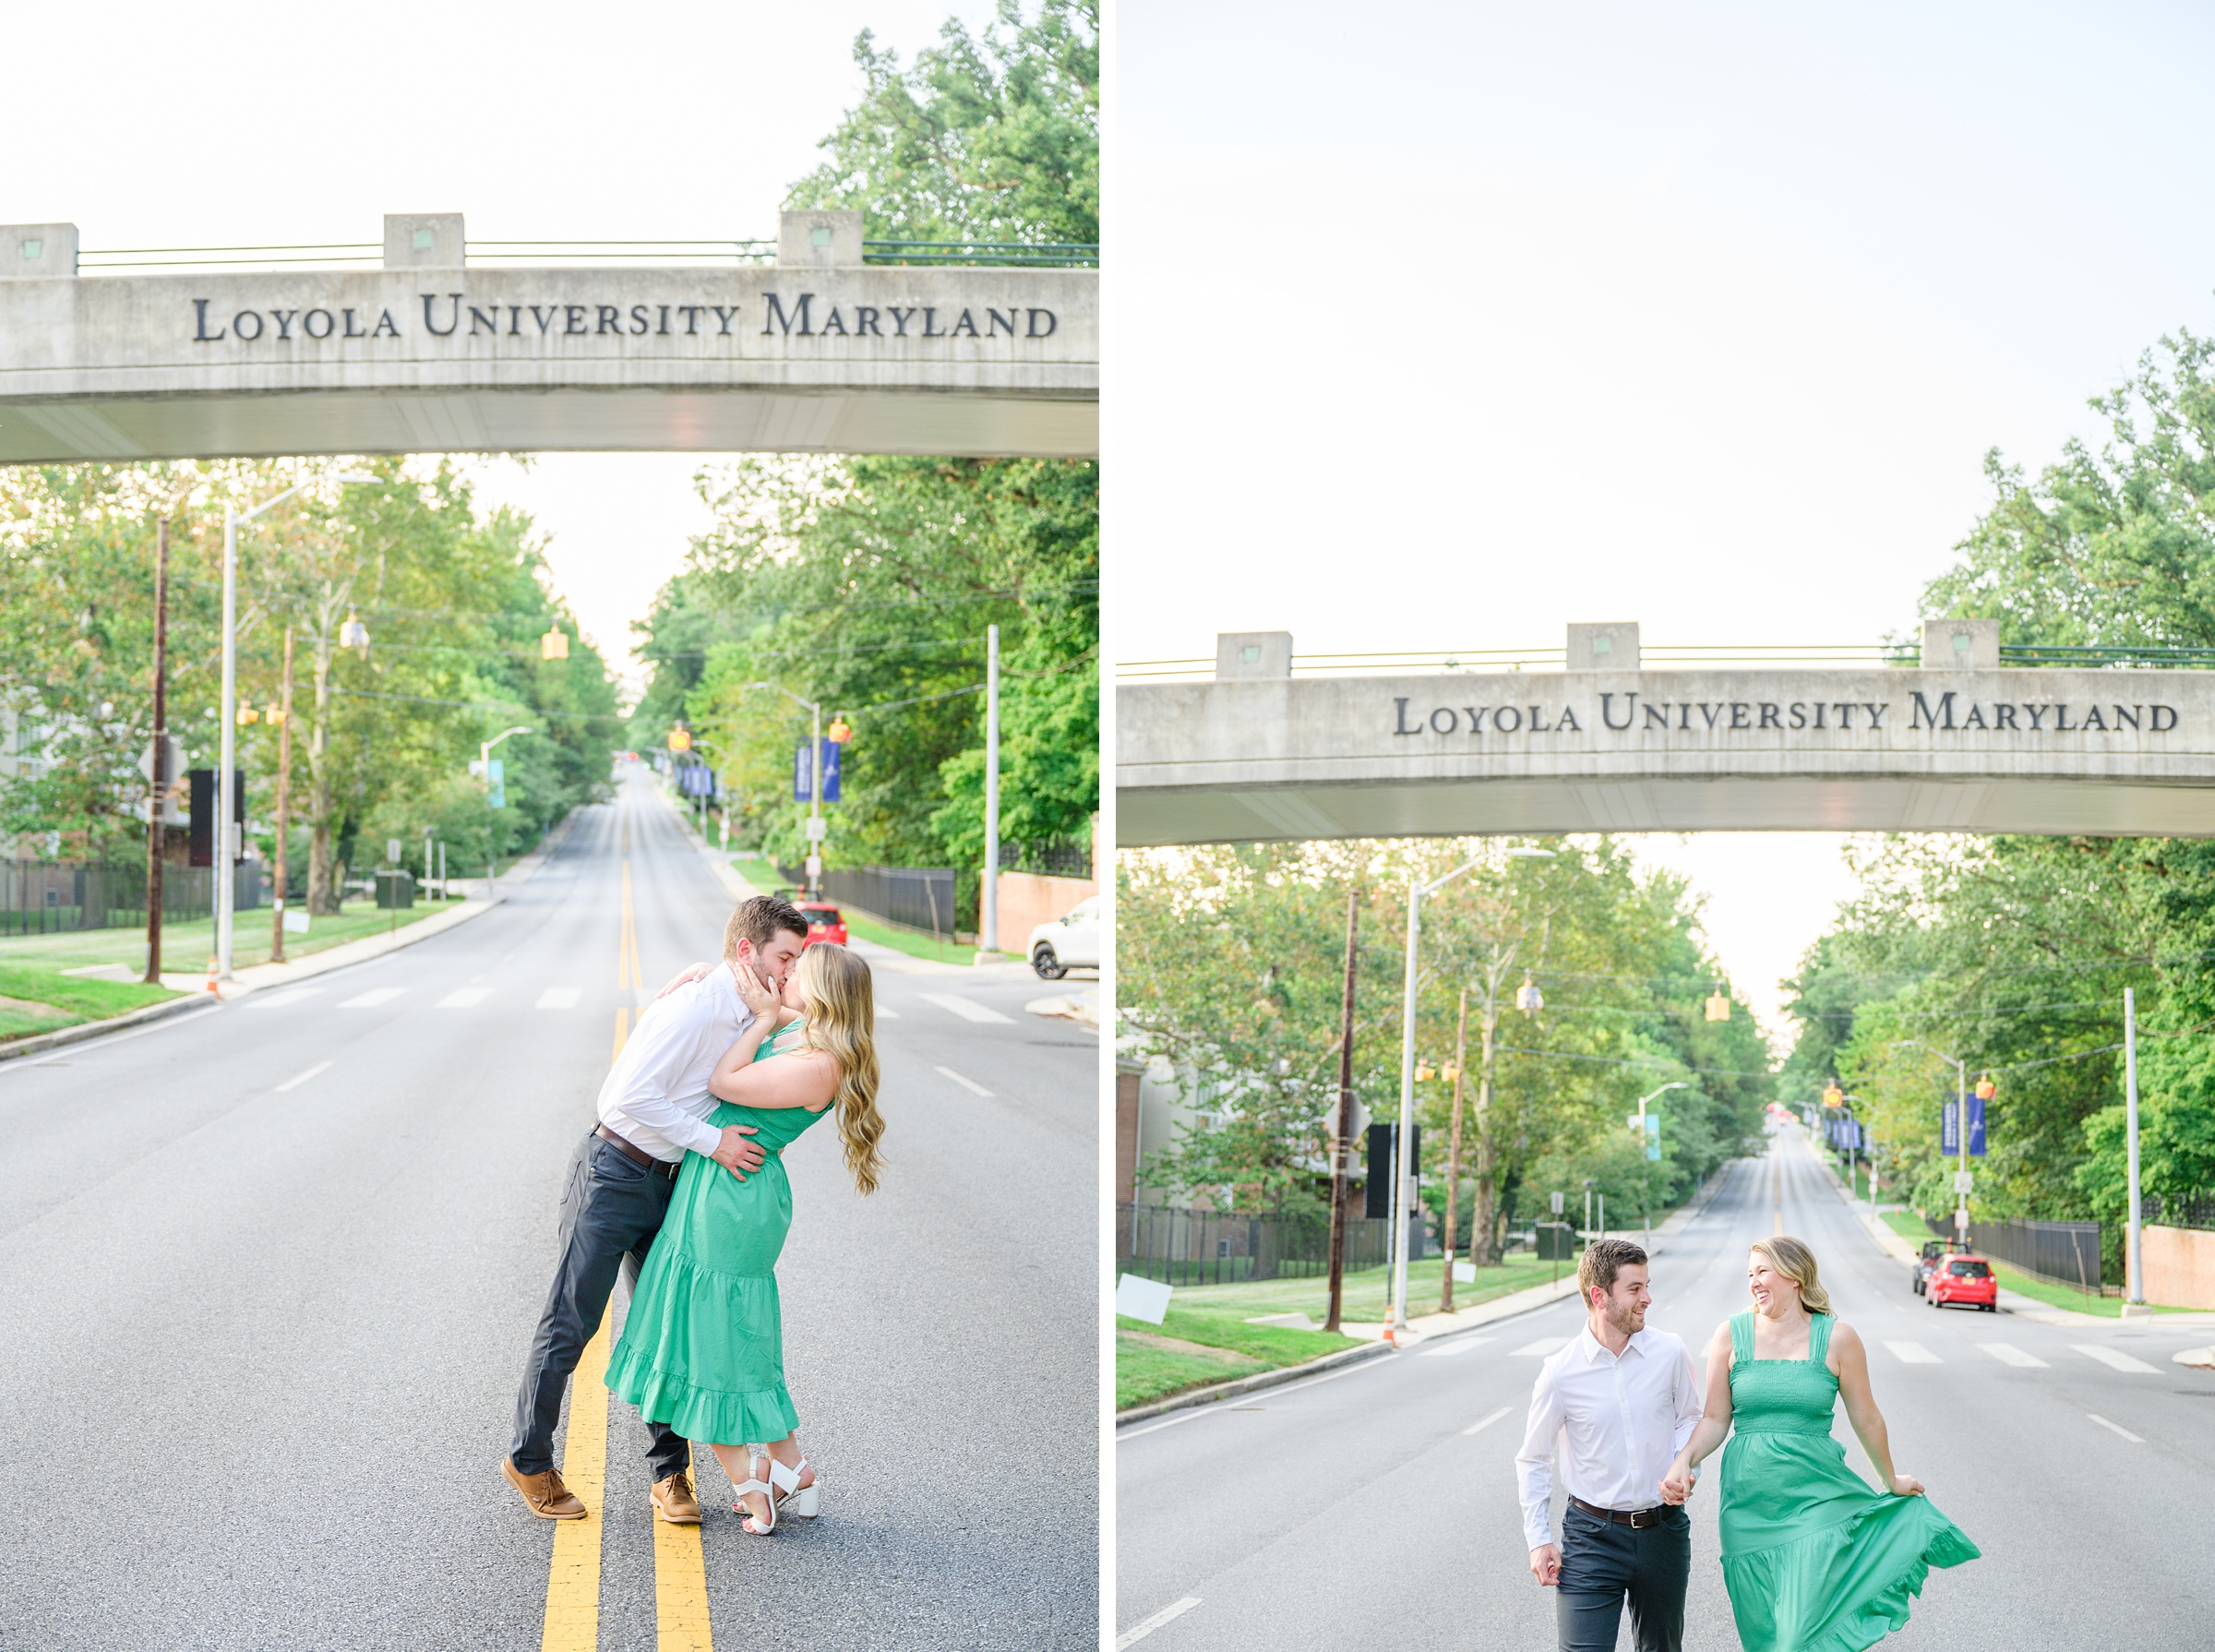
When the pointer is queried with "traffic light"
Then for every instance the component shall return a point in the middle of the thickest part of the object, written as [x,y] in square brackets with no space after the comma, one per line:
[555,644]
[1834,1097]
[1424,1072]
[680,739]
[1719,1004]
[1527,997]
[839,731]
[1986,1089]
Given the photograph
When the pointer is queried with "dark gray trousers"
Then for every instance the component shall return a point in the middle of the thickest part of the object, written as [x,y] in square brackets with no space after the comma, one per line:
[1603,1565]
[610,1211]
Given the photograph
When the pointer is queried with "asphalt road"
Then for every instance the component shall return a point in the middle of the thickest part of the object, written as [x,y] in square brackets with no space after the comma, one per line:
[267,1274]
[1377,1508]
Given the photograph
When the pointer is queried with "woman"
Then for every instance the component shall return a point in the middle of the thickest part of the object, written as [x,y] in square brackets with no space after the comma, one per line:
[702,1349]
[1814,1561]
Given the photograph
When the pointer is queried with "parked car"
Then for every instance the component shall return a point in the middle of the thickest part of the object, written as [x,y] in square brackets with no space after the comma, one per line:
[1933,1252]
[824,923]
[1966,1279]
[1068,943]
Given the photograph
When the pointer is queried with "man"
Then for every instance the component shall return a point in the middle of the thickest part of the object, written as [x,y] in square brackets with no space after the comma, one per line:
[653,1111]
[1625,1398]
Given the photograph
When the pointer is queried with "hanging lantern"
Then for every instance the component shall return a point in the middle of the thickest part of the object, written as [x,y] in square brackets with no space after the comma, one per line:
[839,731]
[1527,997]
[354,634]
[680,739]
[1834,1097]
[1719,1004]
[553,645]
[1986,1089]
[247,715]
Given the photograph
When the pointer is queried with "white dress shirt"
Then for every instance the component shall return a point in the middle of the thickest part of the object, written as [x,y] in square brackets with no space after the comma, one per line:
[1625,1417]
[656,1095]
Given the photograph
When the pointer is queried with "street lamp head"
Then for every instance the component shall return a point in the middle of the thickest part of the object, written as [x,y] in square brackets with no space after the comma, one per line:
[1520,853]
[361,478]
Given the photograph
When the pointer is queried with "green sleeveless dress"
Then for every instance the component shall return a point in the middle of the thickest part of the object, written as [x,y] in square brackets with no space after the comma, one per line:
[1815,1560]
[703,1347]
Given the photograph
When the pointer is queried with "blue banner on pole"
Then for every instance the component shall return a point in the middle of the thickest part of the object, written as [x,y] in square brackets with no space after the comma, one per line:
[803,783]
[495,787]
[1976,1126]
[1653,1136]
[1949,1128]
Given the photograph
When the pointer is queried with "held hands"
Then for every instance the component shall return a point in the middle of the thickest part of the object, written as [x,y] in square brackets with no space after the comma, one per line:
[735,1153]
[1546,1565]
[1677,1485]
[1906,1485]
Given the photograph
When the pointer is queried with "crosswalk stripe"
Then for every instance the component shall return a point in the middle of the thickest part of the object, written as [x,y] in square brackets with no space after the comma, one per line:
[558,997]
[373,999]
[1446,1350]
[968,1009]
[2008,1354]
[1545,1345]
[463,998]
[282,996]
[2115,1358]
[884,1013]
[1913,1353]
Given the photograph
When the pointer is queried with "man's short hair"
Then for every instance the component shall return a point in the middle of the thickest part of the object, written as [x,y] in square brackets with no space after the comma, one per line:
[757,919]
[1602,1259]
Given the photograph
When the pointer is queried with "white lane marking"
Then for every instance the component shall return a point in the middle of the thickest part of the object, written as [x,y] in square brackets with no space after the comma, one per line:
[1194,1412]
[968,1009]
[282,996]
[1546,1345]
[2113,1356]
[2118,1428]
[318,1067]
[1913,1353]
[2008,1354]
[1486,1422]
[969,1084]
[1146,1626]
[1446,1350]
[463,998]
[558,997]
[375,996]
[884,1013]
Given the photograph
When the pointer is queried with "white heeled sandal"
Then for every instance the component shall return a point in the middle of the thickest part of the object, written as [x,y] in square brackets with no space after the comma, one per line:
[803,1499]
[755,1454]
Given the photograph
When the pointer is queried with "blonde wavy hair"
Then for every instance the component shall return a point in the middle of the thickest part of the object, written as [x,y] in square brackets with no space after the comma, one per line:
[841,1008]
[1796,1262]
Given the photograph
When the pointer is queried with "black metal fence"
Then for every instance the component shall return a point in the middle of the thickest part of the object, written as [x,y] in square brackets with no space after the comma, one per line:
[918,898]
[1054,856]
[2059,1252]
[1209,1247]
[2188,1210]
[50,898]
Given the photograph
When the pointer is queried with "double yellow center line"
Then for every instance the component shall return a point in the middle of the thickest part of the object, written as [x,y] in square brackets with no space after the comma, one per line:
[680,1576]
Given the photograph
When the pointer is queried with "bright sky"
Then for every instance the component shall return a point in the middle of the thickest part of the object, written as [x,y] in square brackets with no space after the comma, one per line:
[237,124]
[1442,326]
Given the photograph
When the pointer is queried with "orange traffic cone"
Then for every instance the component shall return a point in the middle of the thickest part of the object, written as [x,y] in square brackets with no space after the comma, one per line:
[212,967]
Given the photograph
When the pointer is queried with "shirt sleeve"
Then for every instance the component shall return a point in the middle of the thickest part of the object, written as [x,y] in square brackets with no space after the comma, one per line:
[655,1058]
[1533,1462]
[1689,1401]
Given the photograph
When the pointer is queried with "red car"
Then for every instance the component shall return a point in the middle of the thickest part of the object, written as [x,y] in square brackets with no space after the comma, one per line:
[823,923]
[1966,1279]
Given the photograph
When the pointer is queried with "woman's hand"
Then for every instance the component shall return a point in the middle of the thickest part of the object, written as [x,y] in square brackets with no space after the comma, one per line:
[1906,1485]
[758,994]
[1676,1485]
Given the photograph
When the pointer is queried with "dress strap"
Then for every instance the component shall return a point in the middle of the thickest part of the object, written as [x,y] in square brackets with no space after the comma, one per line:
[1741,1338]
[1818,1337]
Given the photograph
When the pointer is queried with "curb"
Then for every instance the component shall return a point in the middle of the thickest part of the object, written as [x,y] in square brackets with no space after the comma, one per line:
[38,1042]
[1259,1381]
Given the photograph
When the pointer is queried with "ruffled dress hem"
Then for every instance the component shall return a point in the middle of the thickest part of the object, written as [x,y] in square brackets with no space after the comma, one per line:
[1773,1575]
[713,1415]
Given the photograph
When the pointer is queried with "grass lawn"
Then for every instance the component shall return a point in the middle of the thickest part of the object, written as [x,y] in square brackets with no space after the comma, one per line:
[45,997]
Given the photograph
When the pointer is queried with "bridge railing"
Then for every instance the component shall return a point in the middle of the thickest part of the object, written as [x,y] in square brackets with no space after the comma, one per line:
[1729,657]
[369,255]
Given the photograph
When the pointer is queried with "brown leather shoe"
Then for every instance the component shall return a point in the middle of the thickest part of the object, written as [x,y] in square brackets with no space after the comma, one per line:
[543,1493]
[674,1502]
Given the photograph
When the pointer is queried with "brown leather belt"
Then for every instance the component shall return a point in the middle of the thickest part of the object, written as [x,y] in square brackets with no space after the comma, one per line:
[1636,1519]
[638,1156]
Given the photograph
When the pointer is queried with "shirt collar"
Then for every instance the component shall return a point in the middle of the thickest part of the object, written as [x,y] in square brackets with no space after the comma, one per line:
[1594,1349]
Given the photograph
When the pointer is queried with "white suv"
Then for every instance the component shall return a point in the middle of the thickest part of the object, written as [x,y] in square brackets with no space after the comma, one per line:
[1071,942]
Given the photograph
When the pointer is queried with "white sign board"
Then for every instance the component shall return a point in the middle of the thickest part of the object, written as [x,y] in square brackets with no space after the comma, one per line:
[1557,1204]
[392,851]
[817,828]
[1964,1181]
[295,923]
[1141,1298]
[1465,1272]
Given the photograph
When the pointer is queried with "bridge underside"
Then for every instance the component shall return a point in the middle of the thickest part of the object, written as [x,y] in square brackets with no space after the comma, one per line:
[1150,817]
[626,419]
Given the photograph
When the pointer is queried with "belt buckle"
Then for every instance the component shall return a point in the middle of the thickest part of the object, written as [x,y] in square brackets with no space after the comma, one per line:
[1642,1518]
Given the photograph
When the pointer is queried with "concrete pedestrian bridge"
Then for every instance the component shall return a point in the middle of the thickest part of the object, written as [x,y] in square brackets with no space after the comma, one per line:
[1963,743]
[831,348]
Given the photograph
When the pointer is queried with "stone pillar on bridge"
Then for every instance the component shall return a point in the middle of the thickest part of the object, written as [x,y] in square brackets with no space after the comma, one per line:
[813,240]
[1604,647]
[33,251]
[1960,645]
[423,241]
[1245,655]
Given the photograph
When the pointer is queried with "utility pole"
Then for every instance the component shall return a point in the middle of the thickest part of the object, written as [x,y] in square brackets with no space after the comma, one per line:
[225,868]
[1342,1133]
[989,902]
[162,776]
[2134,1260]
[284,782]
[1461,1055]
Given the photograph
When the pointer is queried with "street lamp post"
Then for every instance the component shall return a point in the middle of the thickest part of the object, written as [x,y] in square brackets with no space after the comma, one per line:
[1672,1084]
[225,827]
[2135,1262]
[1960,1130]
[815,777]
